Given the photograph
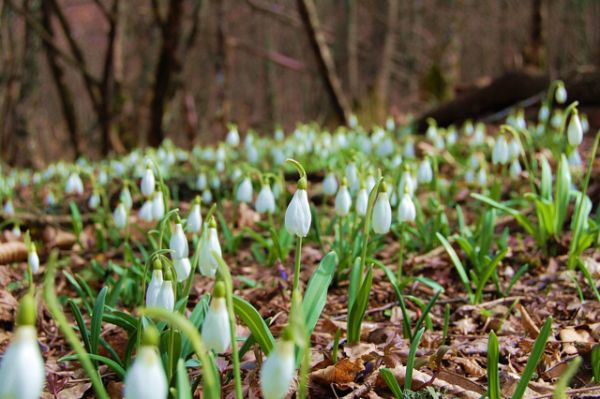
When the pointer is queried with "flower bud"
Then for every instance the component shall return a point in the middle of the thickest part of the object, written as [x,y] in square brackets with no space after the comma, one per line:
[575,131]
[561,94]
[233,137]
[515,168]
[125,198]
[120,216]
[94,201]
[146,377]
[244,191]
[166,298]
[146,211]
[33,260]
[330,185]
[178,243]
[382,212]
[265,200]
[406,209]
[74,184]
[210,242]
[278,370]
[297,214]
[343,201]
[9,208]
[147,184]
[194,221]
[155,284]
[215,329]
[362,202]
[425,172]
[158,206]
[183,267]
[500,151]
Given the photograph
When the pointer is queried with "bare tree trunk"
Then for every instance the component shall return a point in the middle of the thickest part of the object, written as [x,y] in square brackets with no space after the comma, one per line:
[352,50]
[221,70]
[382,83]
[64,94]
[166,68]
[534,53]
[308,13]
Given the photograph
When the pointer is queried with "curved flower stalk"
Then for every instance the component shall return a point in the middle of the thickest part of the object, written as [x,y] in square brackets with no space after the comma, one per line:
[146,378]
[22,369]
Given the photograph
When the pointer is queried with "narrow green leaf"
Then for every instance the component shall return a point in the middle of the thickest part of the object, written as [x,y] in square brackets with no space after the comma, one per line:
[427,309]
[98,358]
[492,367]
[536,354]
[83,331]
[391,382]
[357,313]
[410,361]
[184,390]
[457,264]
[315,296]
[253,320]
[96,325]
[487,273]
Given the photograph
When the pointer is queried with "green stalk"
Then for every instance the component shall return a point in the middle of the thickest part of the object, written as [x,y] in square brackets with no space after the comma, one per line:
[400,253]
[60,318]
[297,263]
[367,226]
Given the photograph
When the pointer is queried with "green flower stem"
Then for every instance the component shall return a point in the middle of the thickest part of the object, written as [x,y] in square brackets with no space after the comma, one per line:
[367,226]
[176,320]
[60,318]
[226,276]
[526,161]
[298,166]
[297,264]
[400,253]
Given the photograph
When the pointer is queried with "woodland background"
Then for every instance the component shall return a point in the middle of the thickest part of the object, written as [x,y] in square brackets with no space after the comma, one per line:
[95,77]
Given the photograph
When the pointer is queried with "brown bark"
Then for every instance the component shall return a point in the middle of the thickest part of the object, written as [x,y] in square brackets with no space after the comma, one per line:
[64,94]
[308,13]
[382,83]
[221,68]
[534,53]
[166,68]
[352,50]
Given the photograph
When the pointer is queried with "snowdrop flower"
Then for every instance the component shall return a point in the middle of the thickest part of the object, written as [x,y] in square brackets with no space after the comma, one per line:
[575,131]
[500,151]
[574,158]
[194,220]
[425,172]
[353,121]
[543,113]
[330,185]
[158,206]
[125,198]
[482,177]
[385,147]
[382,212]
[147,184]
[515,168]
[178,242]
[362,201]
[560,95]
[207,197]
[244,191]
[33,260]
[166,298]
[431,133]
[390,124]
[201,181]
[352,176]
[215,329]
[343,201]
[146,378]
[182,267]
[406,209]
[233,137]
[468,128]
[22,370]
[585,123]
[9,208]
[297,214]
[146,211]
[409,149]
[50,200]
[470,176]
[407,183]
[74,184]
[452,136]
[265,200]
[514,149]
[94,201]
[556,120]
[370,183]
[520,121]
[279,134]
[210,243]
[252,154]
[479,137]
[120,216]
[16,231]
[278,370]
[155,285]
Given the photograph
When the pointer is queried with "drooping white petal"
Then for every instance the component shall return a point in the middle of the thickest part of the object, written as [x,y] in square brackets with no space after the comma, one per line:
[154,288]
[166,298]
[22,369]
[183,267]
[343,201]
[215,329]
[382,214]
[178,243]
[147,184]
[278,371]
[146,378]
[406,209]
[194,221]
[362,201]
[265,201]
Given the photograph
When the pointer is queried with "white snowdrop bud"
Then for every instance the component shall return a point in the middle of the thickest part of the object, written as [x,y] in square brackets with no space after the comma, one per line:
[166,298]
[431,133]
[207,197]
[194,220]
[94,201]
[244,191]
[407,183]
[158,206]
[561,94]
[16,231]
[382,212]
[156,282]
[147,184]
[500,151]
[183,267]
[343,201]
[479,137]
[543,113]
[362,202]
[236,174]
[585,123]
[278,369]
[452,136]
[74,184]
[575,131]
[409,149]
[210,242]
[514,149]
[352,176]
[201,182]
[233,137]
[353,121]
[406,209]
[482,177]
[265,200]
[556,120]
[297,214]
[469,176]
[574,159]
[390,124]
[146,378]
[330,184]
[178,243]
[120,216]
[468,128]
[515,168]
[146,211]
[22,371]
[50,199]
[9,208]
[33,260]
[370,183]
[425,172]
[279,134]
[215,329]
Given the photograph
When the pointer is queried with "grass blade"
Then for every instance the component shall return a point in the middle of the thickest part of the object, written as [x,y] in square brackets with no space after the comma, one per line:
[184,390]
[315,295]
[457,264]
[253,320]
[492,367]
[410,361]
[536,354]
[391,382]
[96,326]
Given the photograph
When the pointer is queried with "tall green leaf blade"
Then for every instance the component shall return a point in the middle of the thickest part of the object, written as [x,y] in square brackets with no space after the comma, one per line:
[457,264]
[315,296]
[492,367]
[253,320]
[410,361]
[184,390]
[357,313]
[96,325]
[391,382]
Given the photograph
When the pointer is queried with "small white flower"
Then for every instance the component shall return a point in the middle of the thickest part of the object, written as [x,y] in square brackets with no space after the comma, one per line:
[146,211]
[278,370]
[482,177]
[210,242]
[201,182]
[470,176]
[9,208]
[147,184]
[343,201]
[382,214]
[544,113]
[120,216]
[431,133]
[183,267]
[409,149]
[353,121]
[233,137]
[575,131]
[407,183]
[297,214]
[74,184]
[178,243]
[207,197]
[330,184]
[362,202]
[370,183]
[406,209]
[390,124]
[146,378]
[94,201]
[265,200]
[154,287]
[125,198]
[425,172]
[22,370]
[244,191]
[561,94]
[514,149]
[215,329]
[194,220]
[500,151]
[574,159]
[166,298]
[352,176]
[33,260]
[515,168]
[50,199]
[158,206]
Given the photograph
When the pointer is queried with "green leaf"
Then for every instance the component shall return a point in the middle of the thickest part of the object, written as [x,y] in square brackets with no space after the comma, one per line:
[315,296]
[563,188]
[536,354]
[391,382]
[560,389]
[596,362]
[457,265]
[196,318]
[427,309]
[520,218]
[357,313]
[406,330]
[546,180]
[253,320]
[354,281]
[98,358]
[184,390]
[96,325]
[410,361]
[487,273]
[492,367]
[80,324]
